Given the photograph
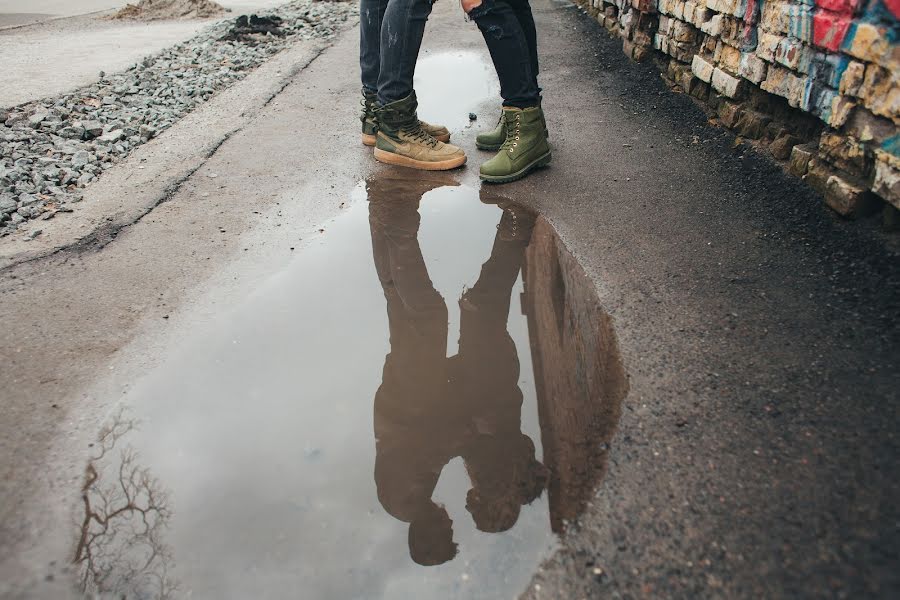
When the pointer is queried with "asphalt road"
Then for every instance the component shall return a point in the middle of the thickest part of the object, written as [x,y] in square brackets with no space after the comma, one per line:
[756,455]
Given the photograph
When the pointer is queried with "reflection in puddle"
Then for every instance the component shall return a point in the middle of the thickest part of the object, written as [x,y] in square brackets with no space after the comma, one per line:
[262,423]
[121,548]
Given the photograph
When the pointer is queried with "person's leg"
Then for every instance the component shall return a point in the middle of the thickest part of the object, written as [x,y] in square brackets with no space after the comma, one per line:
[494,17]
[524,146]
[401,37]
[508,45]
[371,15]
[522,10]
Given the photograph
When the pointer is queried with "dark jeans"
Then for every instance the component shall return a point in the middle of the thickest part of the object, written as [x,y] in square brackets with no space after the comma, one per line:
[508,30]
[390,34]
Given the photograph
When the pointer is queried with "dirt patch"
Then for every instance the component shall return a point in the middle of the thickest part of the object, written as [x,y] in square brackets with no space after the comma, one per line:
[152,10]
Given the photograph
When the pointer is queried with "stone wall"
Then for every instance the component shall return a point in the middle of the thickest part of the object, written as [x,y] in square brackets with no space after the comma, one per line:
[817,81]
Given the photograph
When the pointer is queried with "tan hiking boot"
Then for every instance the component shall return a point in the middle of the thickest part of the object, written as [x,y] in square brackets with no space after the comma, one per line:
[370,123]
[402,141]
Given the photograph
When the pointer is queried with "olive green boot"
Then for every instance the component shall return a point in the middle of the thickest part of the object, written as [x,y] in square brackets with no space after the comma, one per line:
[524,149]
[370,124]
[401,140]
[493,139]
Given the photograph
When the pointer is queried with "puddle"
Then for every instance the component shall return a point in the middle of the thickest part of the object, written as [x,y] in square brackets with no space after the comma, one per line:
[450,85]
[414,408]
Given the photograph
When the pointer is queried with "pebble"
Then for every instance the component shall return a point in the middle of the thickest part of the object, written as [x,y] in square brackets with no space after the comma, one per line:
[52,148]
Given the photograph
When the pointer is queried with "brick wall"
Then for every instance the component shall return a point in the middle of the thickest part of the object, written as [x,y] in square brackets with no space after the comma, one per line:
[816,80]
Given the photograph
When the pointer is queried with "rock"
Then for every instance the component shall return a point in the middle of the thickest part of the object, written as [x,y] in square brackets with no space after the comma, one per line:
[113,136]
[848,199]
[85,179]
[7,204]
[782,146]
[92,129]
[800,157]
[13,119]
[37,118]
[81,158]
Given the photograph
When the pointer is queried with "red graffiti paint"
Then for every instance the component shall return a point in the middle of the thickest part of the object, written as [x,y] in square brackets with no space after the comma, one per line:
[843,7]
[829,29]
[894,7]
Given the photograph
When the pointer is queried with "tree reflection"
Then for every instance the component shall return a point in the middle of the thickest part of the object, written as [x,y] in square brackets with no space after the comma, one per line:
[120,547]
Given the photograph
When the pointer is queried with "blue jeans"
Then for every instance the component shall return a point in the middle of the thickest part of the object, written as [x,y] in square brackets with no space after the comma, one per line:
[508,29]
[390,34]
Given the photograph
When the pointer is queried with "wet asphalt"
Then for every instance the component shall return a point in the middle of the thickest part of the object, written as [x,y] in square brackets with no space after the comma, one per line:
[749,449]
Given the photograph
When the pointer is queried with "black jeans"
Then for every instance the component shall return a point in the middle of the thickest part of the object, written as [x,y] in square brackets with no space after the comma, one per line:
[390,34]
[508,30]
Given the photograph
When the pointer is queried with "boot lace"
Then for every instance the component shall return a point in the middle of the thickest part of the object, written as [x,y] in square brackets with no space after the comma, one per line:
[366,109]
[416,133]
[513,129]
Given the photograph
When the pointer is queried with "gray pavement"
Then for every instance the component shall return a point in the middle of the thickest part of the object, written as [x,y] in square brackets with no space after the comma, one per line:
[756,451]
[50,47]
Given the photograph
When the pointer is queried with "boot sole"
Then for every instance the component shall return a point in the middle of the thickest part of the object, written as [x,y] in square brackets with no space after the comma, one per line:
[423,165]
[369,140]
[539,162]
[488,148]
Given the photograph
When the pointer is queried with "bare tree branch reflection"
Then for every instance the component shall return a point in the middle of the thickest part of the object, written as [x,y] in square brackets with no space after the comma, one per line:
[120,547]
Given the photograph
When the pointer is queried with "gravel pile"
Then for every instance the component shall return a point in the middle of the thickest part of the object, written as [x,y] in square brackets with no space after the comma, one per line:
[151,10]
[51,149]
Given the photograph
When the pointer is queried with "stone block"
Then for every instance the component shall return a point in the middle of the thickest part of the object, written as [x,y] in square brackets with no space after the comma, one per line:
[783,145]
[845,153]
[678,71]
[887,177]
[866,41]
[730,113]
[830,29]
[880,92]
[752,68]
[713,26]
[730,59]
[682,32]
[701,15]
[663,25]
[722,6]
[793,54]
[699,89]
[848,199]
[682,51]
[689,7]
[642,38]
[702,68]
[843,7]
[752,124]
[644,6]
[784,83]
[852,78]
[800,157]
[841,109]
[661,43]
[767,45]
[678,11]
[817,174]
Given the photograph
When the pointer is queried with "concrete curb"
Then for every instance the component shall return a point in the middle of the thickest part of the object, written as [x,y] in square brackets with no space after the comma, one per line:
[154,171]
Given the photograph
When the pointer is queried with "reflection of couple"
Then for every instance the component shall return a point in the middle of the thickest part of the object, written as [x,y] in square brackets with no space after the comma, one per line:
[429,408]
